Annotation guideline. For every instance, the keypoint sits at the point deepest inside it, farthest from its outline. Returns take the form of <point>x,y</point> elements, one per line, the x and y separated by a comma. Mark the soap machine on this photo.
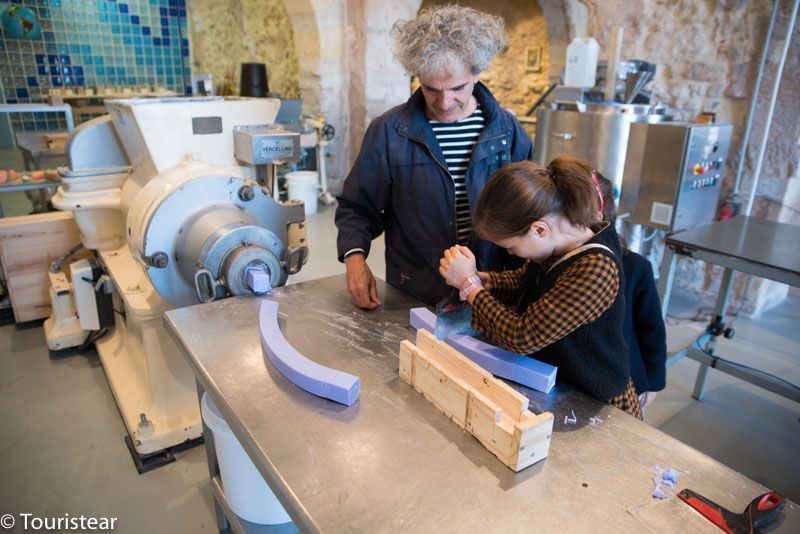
<point>176,197</point>
<point>667,173</point>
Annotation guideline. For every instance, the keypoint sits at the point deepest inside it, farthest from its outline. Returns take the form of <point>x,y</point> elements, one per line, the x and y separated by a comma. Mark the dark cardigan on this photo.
<point>644,327</point>
<point>595,356</point>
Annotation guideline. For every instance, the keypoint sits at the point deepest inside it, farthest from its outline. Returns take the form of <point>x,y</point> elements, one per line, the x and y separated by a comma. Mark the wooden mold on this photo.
<point>488,408</point>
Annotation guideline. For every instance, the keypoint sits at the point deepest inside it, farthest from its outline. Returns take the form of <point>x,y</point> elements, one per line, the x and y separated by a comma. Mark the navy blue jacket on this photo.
<point>400,185</point>
<point>643,329</point>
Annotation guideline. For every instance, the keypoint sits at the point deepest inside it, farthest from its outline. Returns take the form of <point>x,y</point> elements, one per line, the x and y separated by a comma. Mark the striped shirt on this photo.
<point>457,139</point>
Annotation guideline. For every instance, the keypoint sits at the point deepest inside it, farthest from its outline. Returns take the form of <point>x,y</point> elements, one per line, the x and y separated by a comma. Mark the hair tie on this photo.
<point>599,191</point>
<point>550,172</point>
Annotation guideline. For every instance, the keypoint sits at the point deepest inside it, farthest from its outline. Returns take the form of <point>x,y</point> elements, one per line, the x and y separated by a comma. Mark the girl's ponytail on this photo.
<point>580,200</point>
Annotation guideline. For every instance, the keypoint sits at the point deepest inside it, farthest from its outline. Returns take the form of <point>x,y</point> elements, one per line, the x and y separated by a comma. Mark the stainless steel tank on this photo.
<point>595,132</point>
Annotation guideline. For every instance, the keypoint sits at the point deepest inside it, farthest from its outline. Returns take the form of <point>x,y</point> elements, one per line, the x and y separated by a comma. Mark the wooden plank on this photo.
<point>531,441</point>
<point>28,245</point>
<point>449,394</point>
<point>512,402</point>
<point>485,423</point>
<point>439,375</point>
<point>406,365</point>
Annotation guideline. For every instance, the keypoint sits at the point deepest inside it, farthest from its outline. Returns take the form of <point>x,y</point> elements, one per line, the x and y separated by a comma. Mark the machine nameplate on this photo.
<point>661,213</point>
<point>260,145</point>
<point>277,148</point>
<point>206,125</point>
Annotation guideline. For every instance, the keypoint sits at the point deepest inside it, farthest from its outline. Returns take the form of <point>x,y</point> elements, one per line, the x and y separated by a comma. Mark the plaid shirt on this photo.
<point>581,294</point>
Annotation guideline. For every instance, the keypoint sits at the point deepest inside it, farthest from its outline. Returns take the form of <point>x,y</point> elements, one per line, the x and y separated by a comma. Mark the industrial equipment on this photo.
<point>673,174</point>
<point>667,175</point>
<point>176,198</point>
<point>315,135</point>
<point>595,132</point>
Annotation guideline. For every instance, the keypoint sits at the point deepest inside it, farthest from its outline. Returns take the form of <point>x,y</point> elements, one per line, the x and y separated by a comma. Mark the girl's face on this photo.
<point>534,245</point>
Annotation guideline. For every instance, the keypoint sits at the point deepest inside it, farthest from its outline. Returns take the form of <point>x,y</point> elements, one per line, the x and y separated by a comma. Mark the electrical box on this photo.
<point>92,298</point>
<point>261,145</point>
<point>673,174</point>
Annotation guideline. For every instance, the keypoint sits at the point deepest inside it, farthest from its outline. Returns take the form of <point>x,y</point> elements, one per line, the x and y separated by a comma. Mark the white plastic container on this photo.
<point>581,67</point>
<point>304,185</point>
<point>247,493</point>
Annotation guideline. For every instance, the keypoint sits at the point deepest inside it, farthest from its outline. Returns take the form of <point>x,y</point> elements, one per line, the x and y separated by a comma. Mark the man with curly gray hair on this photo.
<point>423,164</point>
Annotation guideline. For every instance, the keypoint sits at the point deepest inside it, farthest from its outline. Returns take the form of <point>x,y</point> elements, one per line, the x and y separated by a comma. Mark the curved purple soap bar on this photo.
<point>315,378</point>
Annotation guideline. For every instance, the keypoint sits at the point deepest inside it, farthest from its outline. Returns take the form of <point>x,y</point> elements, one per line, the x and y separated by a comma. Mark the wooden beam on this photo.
<point>447,392</point>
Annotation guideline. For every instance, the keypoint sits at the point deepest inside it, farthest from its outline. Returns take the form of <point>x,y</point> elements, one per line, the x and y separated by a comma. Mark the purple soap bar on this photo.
<point>258,281</point>
<point>311,376</point>
<point>515,367</point>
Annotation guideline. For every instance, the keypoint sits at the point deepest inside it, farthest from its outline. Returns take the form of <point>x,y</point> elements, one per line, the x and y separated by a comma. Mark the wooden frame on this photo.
<point>496,414</point>
<point>533,58</point>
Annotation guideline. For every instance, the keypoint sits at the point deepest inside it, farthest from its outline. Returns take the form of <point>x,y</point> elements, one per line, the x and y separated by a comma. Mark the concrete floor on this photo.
<point>62,450</point>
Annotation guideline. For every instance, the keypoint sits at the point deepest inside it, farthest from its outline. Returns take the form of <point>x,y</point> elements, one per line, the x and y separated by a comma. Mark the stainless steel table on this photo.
<point>393,462</point>
<point>759,247</point>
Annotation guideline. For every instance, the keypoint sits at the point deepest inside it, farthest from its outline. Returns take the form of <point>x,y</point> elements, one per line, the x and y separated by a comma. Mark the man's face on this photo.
<point>448,97</point>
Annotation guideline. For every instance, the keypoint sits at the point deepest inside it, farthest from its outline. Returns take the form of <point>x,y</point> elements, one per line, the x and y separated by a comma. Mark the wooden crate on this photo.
<point>28,245</point>
<point>56,141</point>
<point>488,408</point>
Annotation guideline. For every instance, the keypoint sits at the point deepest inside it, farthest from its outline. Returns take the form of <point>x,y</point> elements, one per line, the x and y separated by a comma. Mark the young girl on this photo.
<point>566,305</point>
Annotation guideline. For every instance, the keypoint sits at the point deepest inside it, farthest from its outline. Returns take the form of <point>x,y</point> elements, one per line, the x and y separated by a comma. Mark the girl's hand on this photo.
<point>457,265</point>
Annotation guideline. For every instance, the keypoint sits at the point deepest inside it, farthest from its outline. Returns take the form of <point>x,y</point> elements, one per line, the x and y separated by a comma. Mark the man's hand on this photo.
<point>361,283</point>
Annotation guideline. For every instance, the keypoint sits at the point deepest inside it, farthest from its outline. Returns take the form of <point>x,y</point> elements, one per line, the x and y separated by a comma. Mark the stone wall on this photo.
<point>515,85</point>
<point>708,55</point>
<point>223,34</point>
<point>331,53</point>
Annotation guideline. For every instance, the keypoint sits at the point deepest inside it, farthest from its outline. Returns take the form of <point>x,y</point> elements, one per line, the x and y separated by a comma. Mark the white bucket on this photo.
<point>247,493</point>
<point>303,185</point>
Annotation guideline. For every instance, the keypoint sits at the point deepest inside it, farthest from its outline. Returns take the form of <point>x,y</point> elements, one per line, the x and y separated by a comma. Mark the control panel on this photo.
<point>673,173</point>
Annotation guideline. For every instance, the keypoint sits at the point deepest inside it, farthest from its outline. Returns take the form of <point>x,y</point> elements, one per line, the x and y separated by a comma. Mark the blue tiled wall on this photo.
<point>88,43</point>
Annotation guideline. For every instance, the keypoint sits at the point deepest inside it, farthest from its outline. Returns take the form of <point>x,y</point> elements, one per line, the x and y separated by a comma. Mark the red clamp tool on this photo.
<point>763,510</point>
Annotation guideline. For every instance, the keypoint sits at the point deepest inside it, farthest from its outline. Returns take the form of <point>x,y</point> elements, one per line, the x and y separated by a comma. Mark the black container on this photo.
<point>254,80</point>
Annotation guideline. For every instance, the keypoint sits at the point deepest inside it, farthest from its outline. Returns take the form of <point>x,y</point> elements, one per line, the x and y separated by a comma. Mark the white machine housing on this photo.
<point>176,219</point>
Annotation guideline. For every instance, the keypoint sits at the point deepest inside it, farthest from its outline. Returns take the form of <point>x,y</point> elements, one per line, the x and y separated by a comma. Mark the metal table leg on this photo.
<point>665,278</point>
<point>700,382</point>
<point>716,329</point>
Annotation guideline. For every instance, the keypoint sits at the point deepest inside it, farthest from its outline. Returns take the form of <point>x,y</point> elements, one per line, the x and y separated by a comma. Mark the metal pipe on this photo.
<point>65,172</point>
<point>612,63</point>
<point>754,100</point>
<point>778,74</point>
<point>541,99</point>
